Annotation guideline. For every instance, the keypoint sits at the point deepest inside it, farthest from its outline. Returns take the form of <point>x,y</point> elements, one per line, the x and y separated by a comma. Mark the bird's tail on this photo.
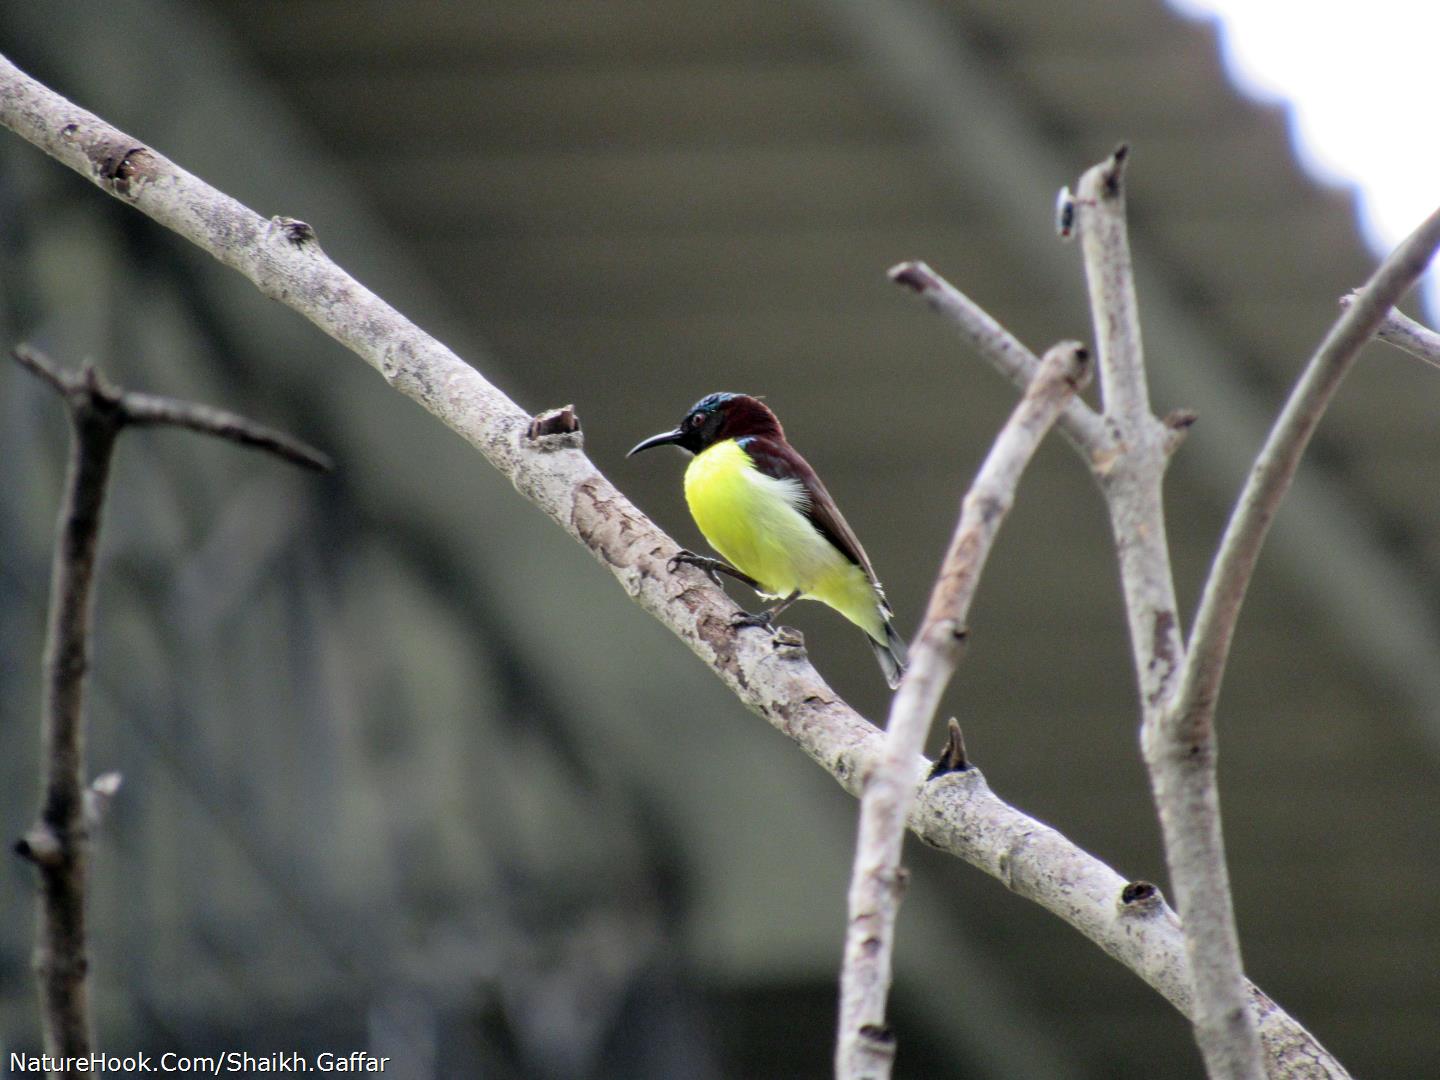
<point>890,653</point>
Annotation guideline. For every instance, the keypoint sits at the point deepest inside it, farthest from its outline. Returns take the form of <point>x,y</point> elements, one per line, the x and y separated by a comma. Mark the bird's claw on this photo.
<point>759,618</point>
<point>700,562</point>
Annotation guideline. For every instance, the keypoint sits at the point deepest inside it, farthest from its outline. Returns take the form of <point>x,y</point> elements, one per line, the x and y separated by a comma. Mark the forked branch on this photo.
<point>58,841</point>
<point>1183,780</point>
<point>1403,332</point>
<point>1274,469</point>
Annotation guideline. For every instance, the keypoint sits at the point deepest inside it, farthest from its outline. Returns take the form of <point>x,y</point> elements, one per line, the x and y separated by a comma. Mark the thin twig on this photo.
<point>144,410</point>
<point>1183,779</point>
<point>1274,469</point>
<point>1005,353</point>
<point>58,842</point>
<point>147,410</point>
<point>1111,278</point>
<point>1403,332</point>
<point>39,365</point>
<point>955,812</point>
<point>865,1046</point>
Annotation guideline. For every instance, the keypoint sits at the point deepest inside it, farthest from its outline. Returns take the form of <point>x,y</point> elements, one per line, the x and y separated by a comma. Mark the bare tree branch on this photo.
<point>955,812</point>
<point>1403,332</point>
<point>865,1047</point>
<point>1182,776</point>
<point>1002,351</point>
<point>1274,469</point>
<point>1132,482</point>
<point>1180,748</point>
<point>58,842</point>
<point>146,410</point>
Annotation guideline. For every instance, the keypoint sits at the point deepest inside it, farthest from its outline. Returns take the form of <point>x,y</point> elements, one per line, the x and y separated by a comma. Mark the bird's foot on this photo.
<point>760,618</point>
<point>711,567</point>
<point>764,618</point>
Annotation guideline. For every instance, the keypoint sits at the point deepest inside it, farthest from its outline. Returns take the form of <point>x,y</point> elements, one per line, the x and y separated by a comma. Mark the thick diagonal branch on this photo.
<point>865,1047</point>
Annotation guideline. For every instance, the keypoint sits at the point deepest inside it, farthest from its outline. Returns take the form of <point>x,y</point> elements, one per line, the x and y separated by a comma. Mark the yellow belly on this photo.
<point>756,522</point>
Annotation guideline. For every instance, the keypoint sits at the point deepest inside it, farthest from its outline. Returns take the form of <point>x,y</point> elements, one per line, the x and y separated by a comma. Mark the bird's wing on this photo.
<point>781,461</point>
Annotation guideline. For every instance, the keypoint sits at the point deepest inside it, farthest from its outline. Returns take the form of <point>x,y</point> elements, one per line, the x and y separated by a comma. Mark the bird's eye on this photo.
<point>696,419</point>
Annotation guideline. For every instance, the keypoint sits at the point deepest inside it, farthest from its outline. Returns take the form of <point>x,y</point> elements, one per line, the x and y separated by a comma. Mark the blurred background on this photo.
<point>405,771</point>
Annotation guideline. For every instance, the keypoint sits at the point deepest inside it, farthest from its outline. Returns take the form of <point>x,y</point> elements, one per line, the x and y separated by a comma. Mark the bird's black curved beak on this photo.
<point>658,440</point>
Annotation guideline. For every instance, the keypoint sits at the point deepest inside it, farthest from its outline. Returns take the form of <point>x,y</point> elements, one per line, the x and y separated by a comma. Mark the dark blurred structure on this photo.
<point>403,769</point>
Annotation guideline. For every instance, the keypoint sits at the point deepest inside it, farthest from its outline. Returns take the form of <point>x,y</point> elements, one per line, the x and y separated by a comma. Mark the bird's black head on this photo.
<point>715,418</point>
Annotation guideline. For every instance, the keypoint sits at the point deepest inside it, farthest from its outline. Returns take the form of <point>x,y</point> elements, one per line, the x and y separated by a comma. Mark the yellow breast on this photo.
<point>757,523</point>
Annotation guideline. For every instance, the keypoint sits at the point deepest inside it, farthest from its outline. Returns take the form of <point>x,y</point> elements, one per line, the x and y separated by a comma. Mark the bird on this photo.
<point>761,506</point>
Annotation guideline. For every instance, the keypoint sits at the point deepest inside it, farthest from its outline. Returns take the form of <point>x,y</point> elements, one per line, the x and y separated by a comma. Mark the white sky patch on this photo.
<point>1363,84</point>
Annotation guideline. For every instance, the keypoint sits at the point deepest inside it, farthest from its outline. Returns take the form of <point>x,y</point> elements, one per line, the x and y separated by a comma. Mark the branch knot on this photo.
<point>556,429</point>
